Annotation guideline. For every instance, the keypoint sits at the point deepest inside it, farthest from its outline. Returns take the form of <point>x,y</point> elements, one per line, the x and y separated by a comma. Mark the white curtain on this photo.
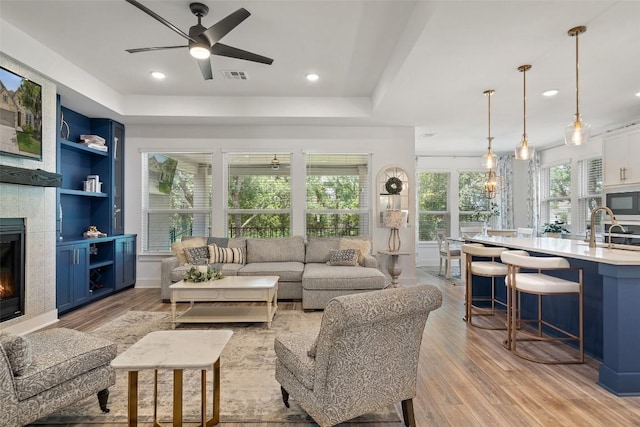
<point>533,198</point>
<point>504,170</point>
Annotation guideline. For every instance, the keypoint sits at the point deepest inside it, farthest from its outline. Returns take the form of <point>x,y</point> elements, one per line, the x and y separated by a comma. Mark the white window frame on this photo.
<point>147,211</point>
<point>365,181</point>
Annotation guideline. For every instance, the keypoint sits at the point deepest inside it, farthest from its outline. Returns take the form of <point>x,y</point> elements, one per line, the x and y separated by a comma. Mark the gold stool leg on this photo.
<point>133,398</point>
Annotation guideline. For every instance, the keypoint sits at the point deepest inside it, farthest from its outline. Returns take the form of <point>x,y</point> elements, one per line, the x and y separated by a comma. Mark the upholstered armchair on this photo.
<point>364,358</point>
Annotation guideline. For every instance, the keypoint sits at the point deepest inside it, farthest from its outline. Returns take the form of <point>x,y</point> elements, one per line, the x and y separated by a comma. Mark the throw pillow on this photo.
<point>227,255</point>
<point>220,241</point>
<point>347,257</point>
<point>197,255</point>
<point>192,242</point>
<point>18,351</point>
<point>363,245</point>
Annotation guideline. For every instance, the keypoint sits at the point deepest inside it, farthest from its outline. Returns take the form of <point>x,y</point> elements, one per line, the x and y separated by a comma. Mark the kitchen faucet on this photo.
<point>614,223</point>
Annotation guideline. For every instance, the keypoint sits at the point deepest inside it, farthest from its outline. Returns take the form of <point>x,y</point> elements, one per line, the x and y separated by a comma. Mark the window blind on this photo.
<point>433,209</point>
<point>176,198</point>
<point>259,194</point>
<point>338,194</point>
<point>589,192</point>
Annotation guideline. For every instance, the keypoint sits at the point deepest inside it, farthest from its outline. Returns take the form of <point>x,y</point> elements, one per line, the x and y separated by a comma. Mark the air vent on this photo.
<point>235,75</point>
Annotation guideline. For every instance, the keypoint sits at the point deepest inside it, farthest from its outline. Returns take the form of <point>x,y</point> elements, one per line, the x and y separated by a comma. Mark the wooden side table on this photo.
<point>177,350</point>
<point>393,267</point>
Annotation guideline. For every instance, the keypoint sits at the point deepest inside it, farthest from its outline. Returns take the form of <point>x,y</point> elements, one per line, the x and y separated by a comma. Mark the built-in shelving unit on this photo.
<point>89,268</point>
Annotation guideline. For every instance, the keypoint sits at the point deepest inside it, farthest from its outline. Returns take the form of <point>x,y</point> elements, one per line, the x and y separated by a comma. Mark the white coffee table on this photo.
<point>177,350</point>
<point>228,289</point>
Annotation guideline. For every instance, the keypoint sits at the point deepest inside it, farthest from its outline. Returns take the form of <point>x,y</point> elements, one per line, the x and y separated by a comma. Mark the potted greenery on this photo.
<point>484,213</point>
<point>554,229</point>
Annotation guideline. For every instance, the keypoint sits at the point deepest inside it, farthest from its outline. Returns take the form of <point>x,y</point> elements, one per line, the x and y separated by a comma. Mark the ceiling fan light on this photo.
<point>199,51</point>
<point>577,132</point>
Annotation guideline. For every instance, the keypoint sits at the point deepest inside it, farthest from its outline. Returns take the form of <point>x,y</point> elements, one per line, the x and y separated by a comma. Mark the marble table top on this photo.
<point>196,349</point>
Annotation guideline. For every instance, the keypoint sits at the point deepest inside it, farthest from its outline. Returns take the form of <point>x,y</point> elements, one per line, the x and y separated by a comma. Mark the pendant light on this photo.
<point>489,160</point>
<point>493,185</point>
<point>577,132</point>
<point>524,151</point>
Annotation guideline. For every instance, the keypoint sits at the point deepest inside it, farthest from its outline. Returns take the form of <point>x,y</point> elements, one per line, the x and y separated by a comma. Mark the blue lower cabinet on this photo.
<point>72,276</point>
<point>125,262</point>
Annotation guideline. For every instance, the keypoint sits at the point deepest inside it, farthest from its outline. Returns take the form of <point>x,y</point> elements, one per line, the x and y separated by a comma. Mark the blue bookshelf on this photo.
<point>91,268</point>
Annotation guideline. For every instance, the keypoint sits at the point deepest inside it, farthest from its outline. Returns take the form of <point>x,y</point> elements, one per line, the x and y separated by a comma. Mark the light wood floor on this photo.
<point>465,376</point>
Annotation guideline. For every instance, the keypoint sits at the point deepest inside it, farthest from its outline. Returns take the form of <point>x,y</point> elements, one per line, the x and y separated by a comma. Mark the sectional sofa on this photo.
<point>302,265</point>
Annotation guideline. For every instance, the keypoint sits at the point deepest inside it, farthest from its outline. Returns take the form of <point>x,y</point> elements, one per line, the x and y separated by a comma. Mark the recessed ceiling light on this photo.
<point>550,92</point>
<point>158,75</point>
<point>312,77</point>
<point>638,94</point>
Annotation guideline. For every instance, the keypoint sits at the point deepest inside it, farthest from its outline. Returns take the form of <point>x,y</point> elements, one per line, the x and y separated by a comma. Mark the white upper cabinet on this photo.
<point>622,159</point>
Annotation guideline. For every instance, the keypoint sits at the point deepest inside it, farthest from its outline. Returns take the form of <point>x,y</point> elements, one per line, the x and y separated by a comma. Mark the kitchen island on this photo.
<point>611,304</point>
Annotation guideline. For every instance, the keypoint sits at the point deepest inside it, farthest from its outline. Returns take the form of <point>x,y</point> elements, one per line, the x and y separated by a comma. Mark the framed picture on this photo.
<point>20,116</point>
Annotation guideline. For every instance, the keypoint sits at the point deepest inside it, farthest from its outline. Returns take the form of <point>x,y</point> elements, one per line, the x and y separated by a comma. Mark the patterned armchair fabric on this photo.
<point>366,355</point>
<point>63,366</point>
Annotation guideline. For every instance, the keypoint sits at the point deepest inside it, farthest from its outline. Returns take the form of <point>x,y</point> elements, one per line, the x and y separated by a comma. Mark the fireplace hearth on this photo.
<point>12,261</point>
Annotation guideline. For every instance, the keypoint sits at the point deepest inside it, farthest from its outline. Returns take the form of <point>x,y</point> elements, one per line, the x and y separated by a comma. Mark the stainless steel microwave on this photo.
<point>625,204</point>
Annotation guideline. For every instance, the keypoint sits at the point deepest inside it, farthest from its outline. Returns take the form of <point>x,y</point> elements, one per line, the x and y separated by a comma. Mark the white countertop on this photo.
<point>577,249</point>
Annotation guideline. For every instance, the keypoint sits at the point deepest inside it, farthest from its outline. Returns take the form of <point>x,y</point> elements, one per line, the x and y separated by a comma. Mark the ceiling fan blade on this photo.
<point>159,18</point>
<point>222,27</point>
<point>149,49</point>
<point>205,68</point>
<point>233,52</point>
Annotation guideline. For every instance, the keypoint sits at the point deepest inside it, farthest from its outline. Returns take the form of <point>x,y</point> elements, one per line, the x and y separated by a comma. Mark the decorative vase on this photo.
<point>556,235</point>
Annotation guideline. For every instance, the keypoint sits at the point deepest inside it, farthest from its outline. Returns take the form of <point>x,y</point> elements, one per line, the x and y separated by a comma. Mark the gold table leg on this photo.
<point>133,398</point>
<point>177,397</point>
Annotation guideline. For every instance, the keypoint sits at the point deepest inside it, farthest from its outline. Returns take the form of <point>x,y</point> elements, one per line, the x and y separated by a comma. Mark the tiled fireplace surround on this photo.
<point>37,205</point>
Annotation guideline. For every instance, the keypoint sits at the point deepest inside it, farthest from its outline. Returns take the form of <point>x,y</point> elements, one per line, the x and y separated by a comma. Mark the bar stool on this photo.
<point>487,268</point>
<point>537,283</point>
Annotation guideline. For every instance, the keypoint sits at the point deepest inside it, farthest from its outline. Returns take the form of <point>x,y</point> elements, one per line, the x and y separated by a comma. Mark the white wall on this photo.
<point>37,205</point>
<point>388,146</point>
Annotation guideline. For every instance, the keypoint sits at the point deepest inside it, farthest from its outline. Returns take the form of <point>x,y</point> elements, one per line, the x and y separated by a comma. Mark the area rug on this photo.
<point>249,391</point>
<point>434,271</point>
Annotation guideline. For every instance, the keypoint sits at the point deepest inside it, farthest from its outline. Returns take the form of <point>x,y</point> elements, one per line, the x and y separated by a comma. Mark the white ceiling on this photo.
<point>384,62</point>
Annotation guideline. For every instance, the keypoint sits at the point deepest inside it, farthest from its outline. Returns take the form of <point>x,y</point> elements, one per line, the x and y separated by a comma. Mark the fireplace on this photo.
<point>12,260</point>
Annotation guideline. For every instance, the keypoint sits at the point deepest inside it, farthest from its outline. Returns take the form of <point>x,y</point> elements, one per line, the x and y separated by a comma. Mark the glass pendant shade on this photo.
<point>489,160</point>
<point>577,132</point>
<point>524,151</point>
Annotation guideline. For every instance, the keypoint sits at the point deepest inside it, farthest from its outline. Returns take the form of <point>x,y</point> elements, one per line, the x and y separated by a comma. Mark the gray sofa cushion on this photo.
<point>60,355</point>
<point>319,248</point>
<point>288,271</point>
<point>275,250</point>
<point>323,277</point>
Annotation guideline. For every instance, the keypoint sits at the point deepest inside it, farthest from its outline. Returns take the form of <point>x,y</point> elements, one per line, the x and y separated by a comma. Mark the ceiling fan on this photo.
<point>204,42</point>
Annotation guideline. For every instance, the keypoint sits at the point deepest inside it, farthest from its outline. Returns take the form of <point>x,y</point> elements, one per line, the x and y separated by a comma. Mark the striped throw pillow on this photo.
<point>227,255</point>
